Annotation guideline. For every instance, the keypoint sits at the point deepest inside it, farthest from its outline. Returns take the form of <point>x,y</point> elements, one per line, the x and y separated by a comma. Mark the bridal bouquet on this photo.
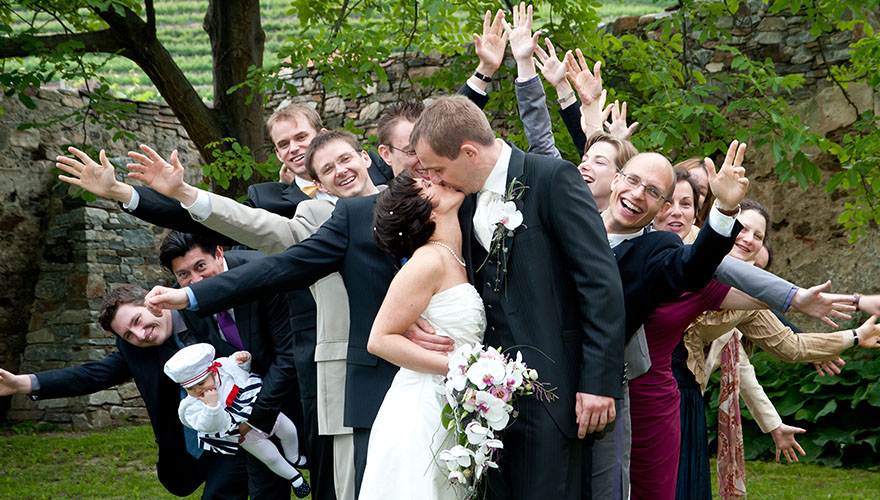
<point>480,387</point>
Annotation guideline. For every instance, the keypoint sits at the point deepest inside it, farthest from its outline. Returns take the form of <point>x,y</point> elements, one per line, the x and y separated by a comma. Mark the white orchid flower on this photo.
<point>493,410</point>
<point>506,214</point>
<point>486,371</point>
<point>476,433</point>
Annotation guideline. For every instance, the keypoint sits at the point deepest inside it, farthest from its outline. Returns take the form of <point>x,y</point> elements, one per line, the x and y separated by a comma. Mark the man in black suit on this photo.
<point>551,287</point>
<point>144,345</point>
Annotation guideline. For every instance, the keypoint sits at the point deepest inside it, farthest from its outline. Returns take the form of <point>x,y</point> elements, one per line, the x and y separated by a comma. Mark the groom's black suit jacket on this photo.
<point>561,296</point>
<point>343,244</point>
<point>657,267</point>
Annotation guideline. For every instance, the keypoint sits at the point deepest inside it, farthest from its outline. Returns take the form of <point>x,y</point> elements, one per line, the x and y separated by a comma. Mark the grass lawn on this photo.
<point>120,463</point>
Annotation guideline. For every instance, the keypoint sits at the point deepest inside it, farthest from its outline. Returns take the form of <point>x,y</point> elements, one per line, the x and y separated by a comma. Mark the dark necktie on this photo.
<point>230,331</point>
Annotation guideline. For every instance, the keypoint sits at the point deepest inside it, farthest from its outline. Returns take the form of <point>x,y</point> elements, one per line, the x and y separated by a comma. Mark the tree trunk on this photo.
<point>237,38</point>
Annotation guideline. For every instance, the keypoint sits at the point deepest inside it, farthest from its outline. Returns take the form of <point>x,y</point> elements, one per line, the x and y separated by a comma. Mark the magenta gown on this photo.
<point>655,400</point>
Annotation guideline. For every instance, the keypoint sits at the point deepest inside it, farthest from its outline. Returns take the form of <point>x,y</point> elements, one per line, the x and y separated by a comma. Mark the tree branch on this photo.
<point>151,17</point>
<point>94,41</point>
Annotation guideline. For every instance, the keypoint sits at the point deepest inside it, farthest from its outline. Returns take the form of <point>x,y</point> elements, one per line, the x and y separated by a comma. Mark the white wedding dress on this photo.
<point>407,435</point>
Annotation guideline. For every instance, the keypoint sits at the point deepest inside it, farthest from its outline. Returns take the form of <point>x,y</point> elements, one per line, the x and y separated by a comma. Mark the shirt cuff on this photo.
<point>35,386</point>
<point>201,208</point>
<point>526,83</point>
<point>193,303</point>
<point>722,224</point>
<point>475,89</point>
<point>787,303</point>
<point>132,204</point>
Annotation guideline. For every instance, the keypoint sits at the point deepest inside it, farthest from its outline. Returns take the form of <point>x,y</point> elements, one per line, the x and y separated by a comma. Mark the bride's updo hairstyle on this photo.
<point>402,217</point>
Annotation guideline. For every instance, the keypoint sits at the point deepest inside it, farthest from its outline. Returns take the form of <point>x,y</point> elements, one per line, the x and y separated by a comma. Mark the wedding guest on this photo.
<point>144,343</point>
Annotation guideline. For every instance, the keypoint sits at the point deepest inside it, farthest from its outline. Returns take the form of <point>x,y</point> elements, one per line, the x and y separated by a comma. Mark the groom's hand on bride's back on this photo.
<point>593,413</point>
<point>423,335</point>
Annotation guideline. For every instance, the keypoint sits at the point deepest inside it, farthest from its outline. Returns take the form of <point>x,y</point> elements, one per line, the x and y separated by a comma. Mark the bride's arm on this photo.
<point>407,297</point>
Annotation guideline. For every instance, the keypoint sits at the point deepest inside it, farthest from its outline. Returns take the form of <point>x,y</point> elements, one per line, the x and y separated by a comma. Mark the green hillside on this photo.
<point>179,24</point>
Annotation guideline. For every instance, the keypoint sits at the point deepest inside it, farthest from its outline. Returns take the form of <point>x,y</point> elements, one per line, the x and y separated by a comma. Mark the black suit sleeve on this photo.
<point>676,268</point>
<point>479,99</point>
<point>85,379</point>
<point>280,377</point>
<point>571,116</point>
<point>576,225</point>
<point>380,172</point>
<point>297,267</point>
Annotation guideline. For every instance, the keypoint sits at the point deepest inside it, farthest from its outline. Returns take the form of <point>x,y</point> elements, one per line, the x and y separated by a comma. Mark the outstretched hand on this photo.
<point>729,185</point>
<point>812,301</point>
<point>11,383</point>
<point>96,178</point>
<point>587,84</point>
<point>163,176</point>
<point>869,333</point>
<point>830,367</point>
<point>161,298</point>
<point>551,67</point>
<point>490,46</point>
<point>783,437</point>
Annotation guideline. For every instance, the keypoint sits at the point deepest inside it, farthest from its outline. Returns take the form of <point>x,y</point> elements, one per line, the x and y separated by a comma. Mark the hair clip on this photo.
<point>391,212</point>
<point>400,234</point>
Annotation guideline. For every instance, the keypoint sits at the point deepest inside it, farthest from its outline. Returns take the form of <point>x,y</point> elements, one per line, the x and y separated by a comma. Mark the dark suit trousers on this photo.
<point>361,443</point>
<point>523,469</point>
<point>226,476</point>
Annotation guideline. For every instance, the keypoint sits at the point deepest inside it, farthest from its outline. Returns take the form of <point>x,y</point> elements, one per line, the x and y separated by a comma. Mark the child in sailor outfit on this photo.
<point>208,383</point>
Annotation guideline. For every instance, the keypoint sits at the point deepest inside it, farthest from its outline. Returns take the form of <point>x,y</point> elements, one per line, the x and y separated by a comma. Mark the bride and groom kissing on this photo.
<point>549,286</point>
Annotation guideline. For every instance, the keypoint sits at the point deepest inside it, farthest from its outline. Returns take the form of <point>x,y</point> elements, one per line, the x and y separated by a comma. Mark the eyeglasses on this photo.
<point>651,192</point>
<point>408,152</point>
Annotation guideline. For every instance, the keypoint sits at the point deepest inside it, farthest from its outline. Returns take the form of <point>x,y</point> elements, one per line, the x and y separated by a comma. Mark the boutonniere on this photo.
<point>507,218</point>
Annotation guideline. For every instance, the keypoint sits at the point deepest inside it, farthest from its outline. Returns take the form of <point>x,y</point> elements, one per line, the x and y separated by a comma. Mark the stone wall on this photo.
<point>60,254</point>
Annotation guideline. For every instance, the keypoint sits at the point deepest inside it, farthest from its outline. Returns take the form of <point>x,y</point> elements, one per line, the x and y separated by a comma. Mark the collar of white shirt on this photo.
<point>497,180</point>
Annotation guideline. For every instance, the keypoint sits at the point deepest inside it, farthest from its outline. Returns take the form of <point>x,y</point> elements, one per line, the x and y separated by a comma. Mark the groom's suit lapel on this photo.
<point>515,171</point>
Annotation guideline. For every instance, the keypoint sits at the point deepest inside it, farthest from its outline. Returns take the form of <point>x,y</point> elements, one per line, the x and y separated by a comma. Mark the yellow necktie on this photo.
<point>310,190</point>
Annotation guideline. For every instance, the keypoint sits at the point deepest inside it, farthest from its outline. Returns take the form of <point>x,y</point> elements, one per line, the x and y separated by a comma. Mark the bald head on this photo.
<point>656,163</point>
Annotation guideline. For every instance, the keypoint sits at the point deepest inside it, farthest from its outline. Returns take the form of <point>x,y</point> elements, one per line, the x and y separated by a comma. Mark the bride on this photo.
<point>417,220</point>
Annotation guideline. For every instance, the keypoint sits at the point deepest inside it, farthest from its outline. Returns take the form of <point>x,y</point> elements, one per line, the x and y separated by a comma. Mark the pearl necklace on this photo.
<point>454,255</point>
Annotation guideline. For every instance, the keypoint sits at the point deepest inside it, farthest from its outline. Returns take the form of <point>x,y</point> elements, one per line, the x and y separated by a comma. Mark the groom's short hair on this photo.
<point>449,122</point>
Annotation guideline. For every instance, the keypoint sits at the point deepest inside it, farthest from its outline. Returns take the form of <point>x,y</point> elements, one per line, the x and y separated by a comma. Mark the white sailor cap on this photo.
<point>191,365</point>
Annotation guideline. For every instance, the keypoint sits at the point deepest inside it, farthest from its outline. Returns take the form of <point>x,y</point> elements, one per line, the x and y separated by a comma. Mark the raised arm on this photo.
<point>97,178</point>
<point>530,96</point>
<point>554,70</point>
<point>490,47</point>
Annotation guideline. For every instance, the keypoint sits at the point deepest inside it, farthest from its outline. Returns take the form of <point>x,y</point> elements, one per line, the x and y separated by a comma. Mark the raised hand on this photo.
<point>729,185</point>
<point>164,177</point>
<point>551,67</point>
<point>617,126</point>
<point>814,302</point>
<point>161,298</point>
<point>490,46</point>
<point>588,85</point>
<point>783,437</point>
<point>522,41</point>
<point>97,178</point>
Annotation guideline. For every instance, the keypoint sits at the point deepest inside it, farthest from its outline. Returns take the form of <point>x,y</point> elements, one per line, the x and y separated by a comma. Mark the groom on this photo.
<point>550,286</point>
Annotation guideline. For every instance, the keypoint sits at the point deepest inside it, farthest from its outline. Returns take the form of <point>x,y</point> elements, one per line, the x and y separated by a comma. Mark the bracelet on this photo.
<point>855,338</point>
<point>856,298</point>
<point>729,213</point>
<point>565,97</point>
<point>487,79</point>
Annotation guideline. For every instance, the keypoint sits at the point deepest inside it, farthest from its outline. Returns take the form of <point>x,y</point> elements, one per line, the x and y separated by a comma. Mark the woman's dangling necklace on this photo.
<point>454,255</point>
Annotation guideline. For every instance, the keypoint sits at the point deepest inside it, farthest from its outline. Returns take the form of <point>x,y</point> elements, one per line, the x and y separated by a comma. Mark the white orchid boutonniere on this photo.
<point>507,218</point>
